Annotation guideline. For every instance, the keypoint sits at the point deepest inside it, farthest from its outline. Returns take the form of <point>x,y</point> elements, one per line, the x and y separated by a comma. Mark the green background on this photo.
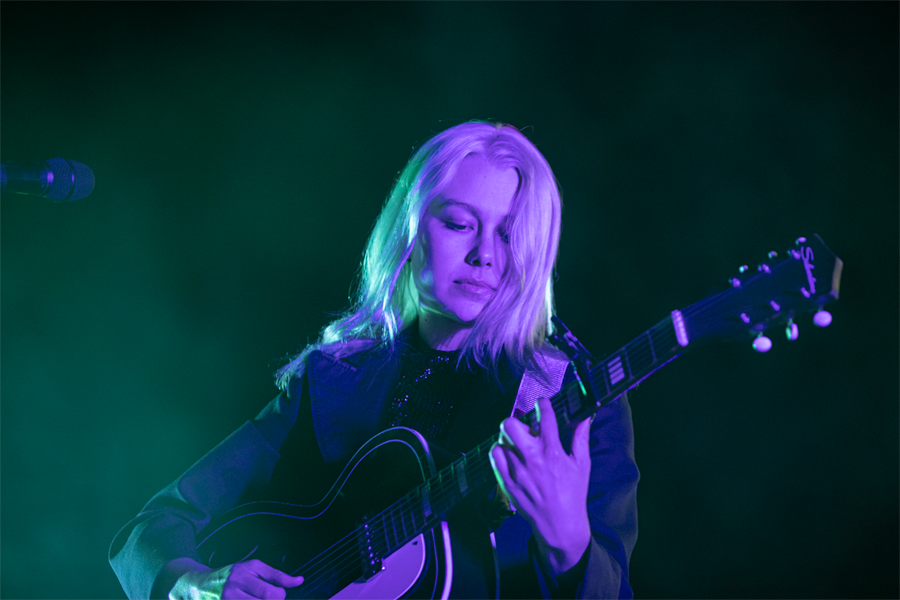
<point>242,152</point>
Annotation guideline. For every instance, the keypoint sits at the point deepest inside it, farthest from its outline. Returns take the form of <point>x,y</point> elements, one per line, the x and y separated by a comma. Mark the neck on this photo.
<point>442,333</point>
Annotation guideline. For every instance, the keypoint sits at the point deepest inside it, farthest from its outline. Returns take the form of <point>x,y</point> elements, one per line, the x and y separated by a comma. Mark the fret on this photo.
<point>650,344</point>
<point>452,495</point>
<point>478,461</point>
<point>413,509</point>
<point>479,467</point>
<point>426,501</point>
<point>641,356</point>
<point>387,542</point>
<point>667,335</point>
<point>394,528</point>
<point>403,525</point>
<point>573,401</point>
<point>626,358</point>
<point>443,490</point>
<point>460,469</point>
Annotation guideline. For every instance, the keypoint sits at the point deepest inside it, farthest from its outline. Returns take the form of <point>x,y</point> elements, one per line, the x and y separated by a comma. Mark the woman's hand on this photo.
<point>548,485</point>
<point>251,579</point>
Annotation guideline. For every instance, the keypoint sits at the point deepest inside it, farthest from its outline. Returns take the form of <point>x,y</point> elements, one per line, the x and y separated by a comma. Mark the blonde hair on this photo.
<point>517,319</point>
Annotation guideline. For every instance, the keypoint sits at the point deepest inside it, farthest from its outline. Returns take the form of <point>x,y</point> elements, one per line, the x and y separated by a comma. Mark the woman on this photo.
<point>451,314</point>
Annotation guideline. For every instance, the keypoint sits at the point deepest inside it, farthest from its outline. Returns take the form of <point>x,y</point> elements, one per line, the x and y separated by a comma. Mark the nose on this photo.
<point>482,254</point>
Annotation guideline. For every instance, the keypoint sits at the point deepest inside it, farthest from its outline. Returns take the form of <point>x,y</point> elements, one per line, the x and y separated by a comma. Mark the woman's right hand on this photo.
<point>251,579</point>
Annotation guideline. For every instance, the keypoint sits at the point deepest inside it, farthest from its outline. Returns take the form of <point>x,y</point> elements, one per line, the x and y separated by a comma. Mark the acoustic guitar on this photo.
<point>380,531</point>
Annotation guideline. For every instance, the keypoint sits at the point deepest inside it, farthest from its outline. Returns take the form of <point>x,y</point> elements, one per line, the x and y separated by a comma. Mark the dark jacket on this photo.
<point>323,417</point>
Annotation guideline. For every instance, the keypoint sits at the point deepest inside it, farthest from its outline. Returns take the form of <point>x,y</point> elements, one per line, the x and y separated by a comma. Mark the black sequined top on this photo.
<point>430,389</point>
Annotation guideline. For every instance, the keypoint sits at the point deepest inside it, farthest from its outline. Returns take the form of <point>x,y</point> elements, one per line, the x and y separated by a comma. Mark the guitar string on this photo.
<point>444,490</point>
<point>641,356</point>
<point>344,546</point>
<point>349,557</point>
<point>347,563</point>
<point>336,560</point>
<point>348,549</point>
<point>348,560</point>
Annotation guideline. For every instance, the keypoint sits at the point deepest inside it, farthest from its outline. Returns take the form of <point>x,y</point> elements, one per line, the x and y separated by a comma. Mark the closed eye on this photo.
<point>455,226</point>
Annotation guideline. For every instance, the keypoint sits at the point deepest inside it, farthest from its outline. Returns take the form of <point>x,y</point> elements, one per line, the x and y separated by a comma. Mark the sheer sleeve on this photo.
<point>145,552</point>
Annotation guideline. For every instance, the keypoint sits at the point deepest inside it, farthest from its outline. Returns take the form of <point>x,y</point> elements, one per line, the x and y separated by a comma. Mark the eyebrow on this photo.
<point>468,207</point>
<point>504,222</point>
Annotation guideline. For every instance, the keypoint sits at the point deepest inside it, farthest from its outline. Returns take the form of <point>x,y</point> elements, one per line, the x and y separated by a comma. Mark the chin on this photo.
<point>466,313</point>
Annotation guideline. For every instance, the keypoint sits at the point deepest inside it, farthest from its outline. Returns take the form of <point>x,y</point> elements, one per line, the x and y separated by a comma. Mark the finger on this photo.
<point>274,576</point>
<point>549,431</point>
<point>500,467</point>
<point>581,443</point>
<point>266,591</point>
<point>510,472</point>
<point>233,592</point>
<point>284,580</point>
<point>515,434</point>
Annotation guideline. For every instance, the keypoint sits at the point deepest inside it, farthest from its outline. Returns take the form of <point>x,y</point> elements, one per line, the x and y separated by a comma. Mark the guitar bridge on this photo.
<point>370,559</point>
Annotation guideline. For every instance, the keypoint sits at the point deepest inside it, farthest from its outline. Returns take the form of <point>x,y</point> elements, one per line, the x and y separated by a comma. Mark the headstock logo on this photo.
<point>808,257</point>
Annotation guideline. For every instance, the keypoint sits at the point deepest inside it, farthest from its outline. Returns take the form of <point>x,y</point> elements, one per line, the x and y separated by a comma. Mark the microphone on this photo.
<point>59,179</point>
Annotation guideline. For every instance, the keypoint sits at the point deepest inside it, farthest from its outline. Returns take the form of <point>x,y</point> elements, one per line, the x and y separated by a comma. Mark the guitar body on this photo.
<point>329,543</point>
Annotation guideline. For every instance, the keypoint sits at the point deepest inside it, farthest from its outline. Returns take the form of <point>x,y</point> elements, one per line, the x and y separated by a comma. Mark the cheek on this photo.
<point>503,258</point>
<point>421,271</point>
<point>435,250</point>
<point>426,262</point>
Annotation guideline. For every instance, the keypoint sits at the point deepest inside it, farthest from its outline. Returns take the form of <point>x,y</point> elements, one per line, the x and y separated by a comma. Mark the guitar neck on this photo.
<point>424,507</point>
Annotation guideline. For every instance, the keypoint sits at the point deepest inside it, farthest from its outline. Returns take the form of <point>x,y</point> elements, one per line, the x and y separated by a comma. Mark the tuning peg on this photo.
<point>772,255</point>
<point>791,331</point>
<point>800,240</point>
<point>735,282</point>
<point>742,269</point>
<point>762,344</point>
<point>763,268</point>
<point>822,318</point>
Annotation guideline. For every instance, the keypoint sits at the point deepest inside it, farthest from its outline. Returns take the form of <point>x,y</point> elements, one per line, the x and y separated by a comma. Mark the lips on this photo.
<point>475,285</point>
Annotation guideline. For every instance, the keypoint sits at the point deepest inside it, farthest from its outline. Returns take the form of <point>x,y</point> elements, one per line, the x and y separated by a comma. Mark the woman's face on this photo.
<point>461,249</point>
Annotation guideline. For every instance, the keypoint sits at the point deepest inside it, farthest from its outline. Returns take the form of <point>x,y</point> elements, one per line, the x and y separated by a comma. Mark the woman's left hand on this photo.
<point>547,484</point>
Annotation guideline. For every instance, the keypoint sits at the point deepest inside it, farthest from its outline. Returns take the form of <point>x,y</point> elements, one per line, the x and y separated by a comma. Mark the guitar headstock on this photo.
<point>769,296</point>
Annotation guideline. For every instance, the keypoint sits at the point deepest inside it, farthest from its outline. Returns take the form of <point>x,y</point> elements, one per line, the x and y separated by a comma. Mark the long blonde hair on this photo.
<point>517,319</point>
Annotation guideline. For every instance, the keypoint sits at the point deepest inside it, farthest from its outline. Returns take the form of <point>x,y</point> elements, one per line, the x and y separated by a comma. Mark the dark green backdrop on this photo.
<point>242,152</point>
